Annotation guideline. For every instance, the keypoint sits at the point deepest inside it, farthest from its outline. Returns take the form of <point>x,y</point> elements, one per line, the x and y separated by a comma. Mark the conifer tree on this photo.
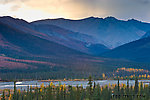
<point>49,93</point>
<point>90,86</point>
<point>127,92</point>
<point>78,93</point>
<point>3,95</point>
<point>96,92</point>
<point>15,91</point>
<point>57,94</point>
<point>136,85</point>
<point>118,86</point>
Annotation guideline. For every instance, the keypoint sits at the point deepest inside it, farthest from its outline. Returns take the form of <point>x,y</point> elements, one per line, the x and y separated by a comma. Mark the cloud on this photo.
<point>143,1</point>
<point>15,7</point>
<point>12,5</point>
<point>75,9</point>
<point>124,9</point>
<point>11,1</point>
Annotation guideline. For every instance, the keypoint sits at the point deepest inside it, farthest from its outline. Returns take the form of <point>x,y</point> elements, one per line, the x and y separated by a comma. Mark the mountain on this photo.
<point>74,40</point>
<point>137,51</point>
<point>25,43</point>
<point>22,52</point>
<point>40,50</point>
<point>108,31</point>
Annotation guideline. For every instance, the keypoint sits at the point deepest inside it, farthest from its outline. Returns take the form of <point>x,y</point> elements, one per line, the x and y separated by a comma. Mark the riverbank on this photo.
<point>52,80</point>
<point>58,80</point>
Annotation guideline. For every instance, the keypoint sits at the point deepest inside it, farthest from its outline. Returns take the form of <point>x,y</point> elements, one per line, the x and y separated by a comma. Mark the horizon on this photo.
<point>75,19</point>
<point>30,10</point>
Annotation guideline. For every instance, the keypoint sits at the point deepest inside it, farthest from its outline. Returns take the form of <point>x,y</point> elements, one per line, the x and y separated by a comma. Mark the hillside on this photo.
<point>22,52</point>
<point>137,51</point>
<point>109,31</point>
<point>74,40</point>
<point>77,41</point>
<point>43,50</point>
<point>32,44</point>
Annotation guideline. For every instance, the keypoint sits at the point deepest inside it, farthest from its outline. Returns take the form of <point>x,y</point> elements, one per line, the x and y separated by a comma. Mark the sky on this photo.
<point>31,10</point>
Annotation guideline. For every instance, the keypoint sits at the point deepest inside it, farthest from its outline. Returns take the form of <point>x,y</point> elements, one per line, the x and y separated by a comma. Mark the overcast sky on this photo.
<point>76,9</point>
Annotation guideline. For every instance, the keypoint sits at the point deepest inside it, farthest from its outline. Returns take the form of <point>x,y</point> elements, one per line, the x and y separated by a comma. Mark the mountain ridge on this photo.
<point>51,49</point>
<point>77,41</point>
<point>108,31</point>
<point>137,50</point>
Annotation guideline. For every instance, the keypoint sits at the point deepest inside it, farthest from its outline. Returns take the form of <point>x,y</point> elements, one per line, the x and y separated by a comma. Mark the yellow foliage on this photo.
<point>51,84</point>
<point>131,76</point>
<point>103,75</point>
<point>121,85</point>
<point>131,70</point>
<point>124,86</point>
<point>144,75</point>
<point>109,85</point>
<point>133,86</point>
<point>142,84</point>
<point>61,87</point>
<point>19,91</point>
<point>42,85</point>
<point>146,85</point>
<point>139,86</point>
<point>101,89</point>
<point>105,86</point>
<point>148,76</point>
<point>41,90</point>
<point>64,86</point>
<point>113,85</point>
<point>10,97</point>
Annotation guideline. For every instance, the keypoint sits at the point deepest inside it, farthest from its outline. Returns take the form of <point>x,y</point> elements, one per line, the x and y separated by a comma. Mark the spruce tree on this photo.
<point>118,86</point>
<point>127,92</point>
<point>15,91</point>
<point>136,86</point>
<point>90,88</point>
<point>3,95</point>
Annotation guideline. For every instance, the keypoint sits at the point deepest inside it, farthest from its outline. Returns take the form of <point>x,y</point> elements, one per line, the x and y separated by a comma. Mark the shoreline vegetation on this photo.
<point>93,91</point>
<point>59,80</point>
<point>121,73</point>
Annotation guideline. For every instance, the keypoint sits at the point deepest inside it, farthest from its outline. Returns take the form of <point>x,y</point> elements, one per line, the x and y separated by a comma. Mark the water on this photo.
<point>23,84</point>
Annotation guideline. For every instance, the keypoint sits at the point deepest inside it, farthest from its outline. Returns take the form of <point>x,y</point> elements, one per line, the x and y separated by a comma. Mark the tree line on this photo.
<point>93,91</point>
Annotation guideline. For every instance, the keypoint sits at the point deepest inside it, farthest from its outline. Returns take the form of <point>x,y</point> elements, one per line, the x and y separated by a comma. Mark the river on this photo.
<point>23,84</point>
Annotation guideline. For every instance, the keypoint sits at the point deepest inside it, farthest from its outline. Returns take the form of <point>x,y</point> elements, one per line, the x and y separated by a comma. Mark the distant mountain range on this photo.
<point>74,40</point>
<point>23,45</point>
<point>86,45</point>
<point>109,31</point>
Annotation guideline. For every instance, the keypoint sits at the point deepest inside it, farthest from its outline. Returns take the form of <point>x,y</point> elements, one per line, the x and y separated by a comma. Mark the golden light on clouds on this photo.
<point>33,10</point>
<point>75,9</point>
